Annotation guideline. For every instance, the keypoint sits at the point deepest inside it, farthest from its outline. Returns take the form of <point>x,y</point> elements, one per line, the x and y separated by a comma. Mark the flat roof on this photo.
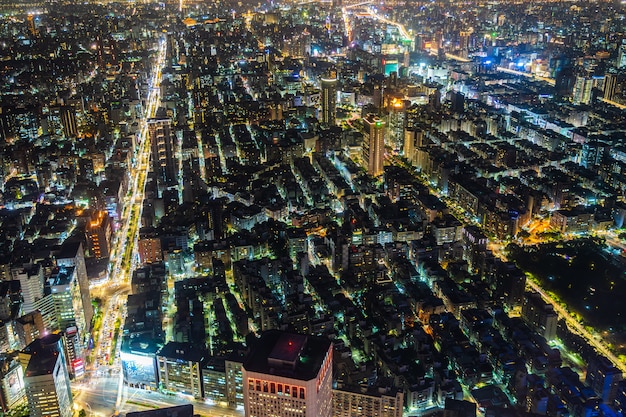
<point>43,355</point>
<point>287,347</point>
<point>286,354</point>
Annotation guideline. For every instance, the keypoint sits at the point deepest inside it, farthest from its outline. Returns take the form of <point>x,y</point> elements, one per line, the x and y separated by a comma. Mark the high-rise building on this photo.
<point>464,41</point>
<point>233,370</point>
<point>583,88</point>
<point>610,86</point>
<point>46,378</point>
<point>32,26</point>
<point>99,233</point>
<point>30,277</point>
<point>373,145</point>
<point>68,301</point>
<point>68,121</point>
<point>329,100</point>
<point>413,140</point>
<point>163,151</point>
<point>621,55</point>
<point>287,375</point>
<point>72,254</point>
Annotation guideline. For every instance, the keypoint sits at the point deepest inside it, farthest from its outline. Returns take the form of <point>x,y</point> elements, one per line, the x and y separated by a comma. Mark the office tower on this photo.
<point>68,121</point>
<point>32,27</point>
<point>288,374</point>
<point>373,144</point>
<point>98,232</point>
<point>395,124</point>
<point>30,277</point>
<point>72,254</point>
<point>68,301</point>
<point>610,86</point>
<point>621,55</point>
<point>163,152</point>
<point>464,40</point>
<point>46,378</point>
<point>329,100</point>
<point>583,87</point>
<point>413,140</point>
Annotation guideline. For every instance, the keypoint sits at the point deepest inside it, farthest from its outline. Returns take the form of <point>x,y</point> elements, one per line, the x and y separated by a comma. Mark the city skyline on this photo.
<point>338,208</point>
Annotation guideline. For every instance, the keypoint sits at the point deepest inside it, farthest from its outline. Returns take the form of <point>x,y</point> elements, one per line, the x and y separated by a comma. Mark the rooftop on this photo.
<point>288,355</point>
<point>44,352</point>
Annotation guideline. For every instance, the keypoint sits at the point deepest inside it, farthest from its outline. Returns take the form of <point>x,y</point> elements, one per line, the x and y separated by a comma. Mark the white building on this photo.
<point>31,281</point>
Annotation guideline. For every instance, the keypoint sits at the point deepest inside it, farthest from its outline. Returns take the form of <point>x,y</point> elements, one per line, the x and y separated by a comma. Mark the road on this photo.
<point>102,387</point>
<point>575,326</point>
<point>550,81</point>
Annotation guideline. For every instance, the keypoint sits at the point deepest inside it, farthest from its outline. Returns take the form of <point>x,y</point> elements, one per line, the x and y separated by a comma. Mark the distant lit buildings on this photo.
<point>373,145</point>
<point>329,101</point>
<point>288,374</point>
<point>583,87</point>
<point>162,140</point>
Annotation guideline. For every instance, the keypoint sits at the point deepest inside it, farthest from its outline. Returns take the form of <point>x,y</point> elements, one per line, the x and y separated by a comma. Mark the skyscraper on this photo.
<point>288,374</point>
<point>163,152</point>
<point>68,121</point>
<point>68,302</point>
<point>46,378</point>
<point>373,144</point>
<point>329,100</point>
<point>72,254</point>
<point>98,232</point>
<point>30,277</point>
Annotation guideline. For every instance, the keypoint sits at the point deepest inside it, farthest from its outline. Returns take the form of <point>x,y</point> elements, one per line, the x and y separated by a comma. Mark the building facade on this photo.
<point>46,378</point>
<point>329,100</point>
<point>373,145</point>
